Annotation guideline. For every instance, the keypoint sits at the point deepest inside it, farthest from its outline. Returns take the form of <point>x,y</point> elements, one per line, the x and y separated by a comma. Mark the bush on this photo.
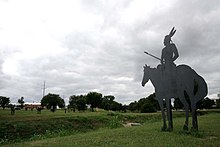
<point>148,107</point>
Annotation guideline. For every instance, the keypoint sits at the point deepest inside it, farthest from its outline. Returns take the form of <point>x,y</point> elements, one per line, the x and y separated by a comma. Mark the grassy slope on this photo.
<point>147,135</point>
<point>28,125</point>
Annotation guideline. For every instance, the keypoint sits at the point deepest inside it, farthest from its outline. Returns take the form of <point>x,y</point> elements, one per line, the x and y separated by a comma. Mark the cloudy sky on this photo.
<point>78,46</point>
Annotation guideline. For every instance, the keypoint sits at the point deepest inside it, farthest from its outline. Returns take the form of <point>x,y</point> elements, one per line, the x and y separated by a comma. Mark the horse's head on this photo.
<point>146,76</point>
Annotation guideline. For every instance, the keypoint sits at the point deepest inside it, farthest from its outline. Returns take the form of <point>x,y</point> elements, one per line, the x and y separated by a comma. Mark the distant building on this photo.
<point>14,104</point>
<point>215,101</point>
<point>32,105</point>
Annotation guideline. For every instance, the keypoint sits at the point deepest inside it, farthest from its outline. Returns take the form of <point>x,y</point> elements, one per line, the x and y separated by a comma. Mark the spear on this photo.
<point>152,55</point>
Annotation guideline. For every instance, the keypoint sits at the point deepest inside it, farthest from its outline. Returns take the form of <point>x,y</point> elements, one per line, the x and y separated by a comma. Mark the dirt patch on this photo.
<point>131,124</point>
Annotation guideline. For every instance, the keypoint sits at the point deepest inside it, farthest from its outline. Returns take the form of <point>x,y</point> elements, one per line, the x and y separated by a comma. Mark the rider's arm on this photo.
<point>162,58</point>
<point>175,51</point>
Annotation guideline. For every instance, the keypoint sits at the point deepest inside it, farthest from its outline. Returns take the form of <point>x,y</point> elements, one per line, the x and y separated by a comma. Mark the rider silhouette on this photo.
<point>168,56</point>
<point>169,52</point>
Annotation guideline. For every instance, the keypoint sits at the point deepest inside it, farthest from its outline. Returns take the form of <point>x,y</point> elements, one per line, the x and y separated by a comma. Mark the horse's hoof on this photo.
<point>163,128</point>
<point>193,129</point>
<point>185,127</point>
<point>170,129</point>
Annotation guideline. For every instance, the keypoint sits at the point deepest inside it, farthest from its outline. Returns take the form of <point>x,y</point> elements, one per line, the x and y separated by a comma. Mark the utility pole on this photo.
<point>44,89</point>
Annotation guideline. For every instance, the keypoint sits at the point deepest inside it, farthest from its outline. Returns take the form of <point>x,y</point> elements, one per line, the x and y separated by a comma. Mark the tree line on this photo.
<point>94,100</point>
<point>81,102</point>
<point>5,102</point>
<point>149,104</point>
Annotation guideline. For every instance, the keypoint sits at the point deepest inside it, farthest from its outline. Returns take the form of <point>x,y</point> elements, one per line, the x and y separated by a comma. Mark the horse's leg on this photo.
<point>194,118</point>
<point>196,121</point>
<point>160,101</point>
<point>169,114</point>
<point>186,107</point>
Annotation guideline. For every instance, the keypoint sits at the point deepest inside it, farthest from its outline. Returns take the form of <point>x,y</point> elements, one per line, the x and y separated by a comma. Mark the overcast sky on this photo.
<point>78,46</point>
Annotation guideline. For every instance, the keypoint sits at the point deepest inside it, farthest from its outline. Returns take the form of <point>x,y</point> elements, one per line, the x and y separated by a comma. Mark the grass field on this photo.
<point>148,134</point>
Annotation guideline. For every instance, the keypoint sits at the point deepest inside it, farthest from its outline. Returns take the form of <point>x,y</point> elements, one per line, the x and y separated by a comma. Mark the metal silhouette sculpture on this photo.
<point>171,81</point>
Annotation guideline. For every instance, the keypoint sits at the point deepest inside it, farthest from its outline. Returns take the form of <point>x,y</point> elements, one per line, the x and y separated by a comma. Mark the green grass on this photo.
<point>147,135</point>
<point>28,125</point>
<point>21,115</point>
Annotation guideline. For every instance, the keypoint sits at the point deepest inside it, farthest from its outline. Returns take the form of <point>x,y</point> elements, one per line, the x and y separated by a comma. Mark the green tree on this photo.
<point>133,106</point>
<point>81,103</point>
<point>152,100</point>
<point>94,99</point>
<point>61,103</point>
<point>21,102</point>
<point>115,106</point>
<point>107,102</point>
<point>147,107</point>
<point>72,102</point>
<point>77,102</point>
<point>206,103</point>
<point>4,101</point>
<point>124,108</point>
<point>148,104</point>
<point>51,101</point>
<point>218,103</point>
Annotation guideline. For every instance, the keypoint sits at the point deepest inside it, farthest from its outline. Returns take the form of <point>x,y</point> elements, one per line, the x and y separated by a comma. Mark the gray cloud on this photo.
<point>109,58</point>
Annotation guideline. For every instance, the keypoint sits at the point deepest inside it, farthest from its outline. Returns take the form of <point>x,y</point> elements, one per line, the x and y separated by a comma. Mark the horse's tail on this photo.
<point>195,85</point>
<point>200,88</point>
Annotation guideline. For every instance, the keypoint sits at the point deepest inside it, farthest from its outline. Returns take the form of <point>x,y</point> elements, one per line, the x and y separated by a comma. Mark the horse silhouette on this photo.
<point>188,84</point>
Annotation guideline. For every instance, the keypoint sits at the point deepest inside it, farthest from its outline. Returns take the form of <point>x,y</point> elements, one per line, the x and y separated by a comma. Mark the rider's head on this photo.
<point>166,40</point>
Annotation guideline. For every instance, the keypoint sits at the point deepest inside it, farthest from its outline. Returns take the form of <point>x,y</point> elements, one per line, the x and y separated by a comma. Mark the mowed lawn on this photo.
<point>21,115</point>
<point>148,134</point>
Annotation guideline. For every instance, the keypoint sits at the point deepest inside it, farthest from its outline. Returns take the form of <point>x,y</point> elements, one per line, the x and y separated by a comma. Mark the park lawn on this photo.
<point>22,115</point>
<point>147,135</point>
<point>28,125</point>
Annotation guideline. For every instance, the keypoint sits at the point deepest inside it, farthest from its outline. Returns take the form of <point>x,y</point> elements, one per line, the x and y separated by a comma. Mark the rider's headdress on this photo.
<point>172,32</point>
